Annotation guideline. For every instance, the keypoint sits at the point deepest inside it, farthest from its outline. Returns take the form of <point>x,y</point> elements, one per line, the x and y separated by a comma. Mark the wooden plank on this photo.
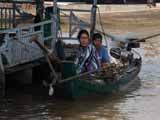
<point>9,70</point>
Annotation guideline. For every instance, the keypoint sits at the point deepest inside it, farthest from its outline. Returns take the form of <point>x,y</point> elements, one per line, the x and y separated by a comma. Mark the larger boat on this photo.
<point>43,41</point>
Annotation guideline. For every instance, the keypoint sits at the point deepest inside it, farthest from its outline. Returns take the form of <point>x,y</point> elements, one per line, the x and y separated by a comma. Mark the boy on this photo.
<point>103,56</point>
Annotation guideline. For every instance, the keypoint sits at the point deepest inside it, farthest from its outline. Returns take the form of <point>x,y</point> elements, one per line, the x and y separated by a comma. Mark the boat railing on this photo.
<point>16,46</point>
<point>74,21</point>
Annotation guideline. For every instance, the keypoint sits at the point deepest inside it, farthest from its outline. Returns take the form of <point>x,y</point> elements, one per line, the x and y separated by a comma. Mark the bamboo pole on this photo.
<point>78,76</point>
<point>50,58</point>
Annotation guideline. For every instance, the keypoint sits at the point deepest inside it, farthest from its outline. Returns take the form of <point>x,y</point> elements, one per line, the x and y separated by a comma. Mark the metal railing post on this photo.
<point>14,15</point>
<point>93,17</point>
<point>55,24</point>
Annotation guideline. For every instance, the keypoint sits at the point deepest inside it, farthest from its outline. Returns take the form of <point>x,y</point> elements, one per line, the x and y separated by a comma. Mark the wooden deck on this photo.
<point>18,53</point>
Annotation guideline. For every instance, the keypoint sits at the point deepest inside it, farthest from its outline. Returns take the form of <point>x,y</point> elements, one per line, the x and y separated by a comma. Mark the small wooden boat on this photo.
<point>97,83</point>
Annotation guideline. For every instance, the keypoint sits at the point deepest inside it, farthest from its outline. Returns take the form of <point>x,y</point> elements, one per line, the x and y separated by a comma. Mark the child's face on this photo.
<point>97,43</point>
<point>84,40</point>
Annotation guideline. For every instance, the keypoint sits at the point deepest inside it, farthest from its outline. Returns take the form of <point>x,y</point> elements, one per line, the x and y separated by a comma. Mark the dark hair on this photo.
<point>97,36</point>
<point>82,32</point>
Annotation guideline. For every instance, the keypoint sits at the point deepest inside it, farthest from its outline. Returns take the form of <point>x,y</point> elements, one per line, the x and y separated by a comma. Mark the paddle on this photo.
<point>77,76</point>
<point>148,37</point>
<point>50,58</point>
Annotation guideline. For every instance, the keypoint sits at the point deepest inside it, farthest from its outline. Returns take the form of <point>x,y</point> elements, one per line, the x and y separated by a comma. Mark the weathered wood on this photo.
<point>17,47</point>
<point>10,70</point>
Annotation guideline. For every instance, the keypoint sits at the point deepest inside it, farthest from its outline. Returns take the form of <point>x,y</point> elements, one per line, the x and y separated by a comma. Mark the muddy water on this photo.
<point>140,103</point>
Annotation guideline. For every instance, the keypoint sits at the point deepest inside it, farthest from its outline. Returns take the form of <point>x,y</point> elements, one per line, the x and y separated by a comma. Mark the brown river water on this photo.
<point>141,102</point>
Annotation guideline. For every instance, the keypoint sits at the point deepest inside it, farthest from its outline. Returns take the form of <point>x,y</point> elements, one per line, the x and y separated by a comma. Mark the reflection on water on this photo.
<point>142,103</point>
<point>93,108</point>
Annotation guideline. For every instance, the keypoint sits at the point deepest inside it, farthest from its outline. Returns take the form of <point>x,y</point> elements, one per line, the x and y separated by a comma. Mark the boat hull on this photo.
<point>80,87</point>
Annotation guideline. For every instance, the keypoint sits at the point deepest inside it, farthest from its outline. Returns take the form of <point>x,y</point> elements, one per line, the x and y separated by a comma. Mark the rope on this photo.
<point>103,31</point>
<point>105,37</point>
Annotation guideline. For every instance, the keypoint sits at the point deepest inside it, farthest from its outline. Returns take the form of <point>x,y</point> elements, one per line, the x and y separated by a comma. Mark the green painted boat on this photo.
<point>80,87</point>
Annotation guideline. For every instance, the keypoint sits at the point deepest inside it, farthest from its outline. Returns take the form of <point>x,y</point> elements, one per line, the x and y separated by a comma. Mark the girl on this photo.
<point>86,59</point>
